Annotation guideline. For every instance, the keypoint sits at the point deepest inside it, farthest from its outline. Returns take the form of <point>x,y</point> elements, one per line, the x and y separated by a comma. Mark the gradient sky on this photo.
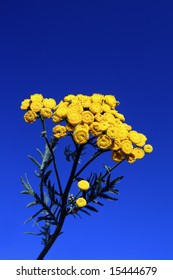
<point>123,48</point>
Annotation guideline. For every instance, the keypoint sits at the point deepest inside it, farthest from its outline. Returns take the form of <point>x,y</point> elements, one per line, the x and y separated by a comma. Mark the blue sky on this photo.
<point>118,47</point>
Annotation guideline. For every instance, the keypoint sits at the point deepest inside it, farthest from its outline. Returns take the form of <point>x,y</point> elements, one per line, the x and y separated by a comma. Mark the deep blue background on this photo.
<point>120,47</point>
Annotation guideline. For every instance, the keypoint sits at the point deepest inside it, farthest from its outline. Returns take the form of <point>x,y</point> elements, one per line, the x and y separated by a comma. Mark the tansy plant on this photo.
<point>86,121</point>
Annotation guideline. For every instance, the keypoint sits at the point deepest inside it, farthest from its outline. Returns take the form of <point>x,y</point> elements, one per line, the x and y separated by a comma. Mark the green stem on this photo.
<point>45,207</point>
<point>54,164</point>
<point>54,236</point>
<point>111,169</point>
<point>97,154</point>
<point>52,154</point>
<point>62,212</point>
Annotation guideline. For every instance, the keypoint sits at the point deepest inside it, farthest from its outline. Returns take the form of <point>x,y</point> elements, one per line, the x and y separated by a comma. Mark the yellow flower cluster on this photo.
<point>86,116</point>
<point>37,105</point>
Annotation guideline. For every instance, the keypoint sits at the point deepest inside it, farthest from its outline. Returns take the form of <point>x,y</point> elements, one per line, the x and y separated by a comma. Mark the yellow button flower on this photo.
<point>81,202</point>
<point>87,117</point>
<point>25,105</point>
<point>110,100</point>
<point>120,116</point>
<point>148,148</point>
<point>83,185</point>
<point>134,136</point>
<point>36,106</point>
<point>94,129</point>
<point>122,133</point>
<point>30,116</point>
<point>117,156</point>
<point>116,144</point>
<point>103,125</point>
<point>126,147</point>
<point>118,122</point>
<point>46,112</point>
<point>59,131</point>
<point>82,126</point>
<point>49,103</point>
<point>106,108</point>
<point>75,106</point>
<point>95,107</point>
<point>104,141</point>
<point>109,117</point>
<point>97,97</point>
<point>36,97</point>
<point>131,158</point>
<point>138,152</point>
<point>61,112</point>
<point>142,141</point>
<point>56,118</point>
<point>85,101</point>
<point>69,127</point>
<point>112,131</point>
<point>81,136</point>
<point>74,118</point>
<point>69,97</point>
<point>98,117</point>
<point>126,126</point>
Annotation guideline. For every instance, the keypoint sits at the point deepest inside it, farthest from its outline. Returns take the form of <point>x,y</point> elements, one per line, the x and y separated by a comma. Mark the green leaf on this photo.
<point>28,220</point>
<point>24,184</point>
<point>105,196</point>
<point>86,212</point>
<point>108,168</point>
<point>41,154</point>
<point>32,203</point>
<point>115,181</point>
<point>25,192</point>
<point>27,185</point>
<point>114,191</point>
<point>91,208</point>
<point>32,217</point>
<point>35,161</point>
<point>98,202</point>
<point>33,233</point>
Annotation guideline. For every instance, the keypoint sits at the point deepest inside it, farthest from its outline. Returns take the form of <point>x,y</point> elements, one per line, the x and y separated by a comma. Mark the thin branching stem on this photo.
<point>62,212</point>
<point>111,169</point>
<point>54,164</point>
<point>97,154</point>
<point>52,154</point>
<point>45,207</point>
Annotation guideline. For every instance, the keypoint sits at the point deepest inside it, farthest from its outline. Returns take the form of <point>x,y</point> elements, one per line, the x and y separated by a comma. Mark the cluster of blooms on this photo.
<point>90,116</point>
<point>37,106</point>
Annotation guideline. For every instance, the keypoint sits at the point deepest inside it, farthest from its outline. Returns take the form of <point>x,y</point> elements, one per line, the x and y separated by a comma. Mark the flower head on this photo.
<point>110,100</point>
<point>36,97</point>
<point>87,117</point>
<point>83,185</point>
<point>46,112</point>
<point>74,118</point>
<point>36,106</point>
<point>59,131</point>
<point>25,105</point>
<point>104,141</point>
<point>148,148</point>
<point>49,103</point>
<point>126,147</point>
<point>138,152</point>
<point>81,136</point>
<point>81,202</point>
<point>30,116</point>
